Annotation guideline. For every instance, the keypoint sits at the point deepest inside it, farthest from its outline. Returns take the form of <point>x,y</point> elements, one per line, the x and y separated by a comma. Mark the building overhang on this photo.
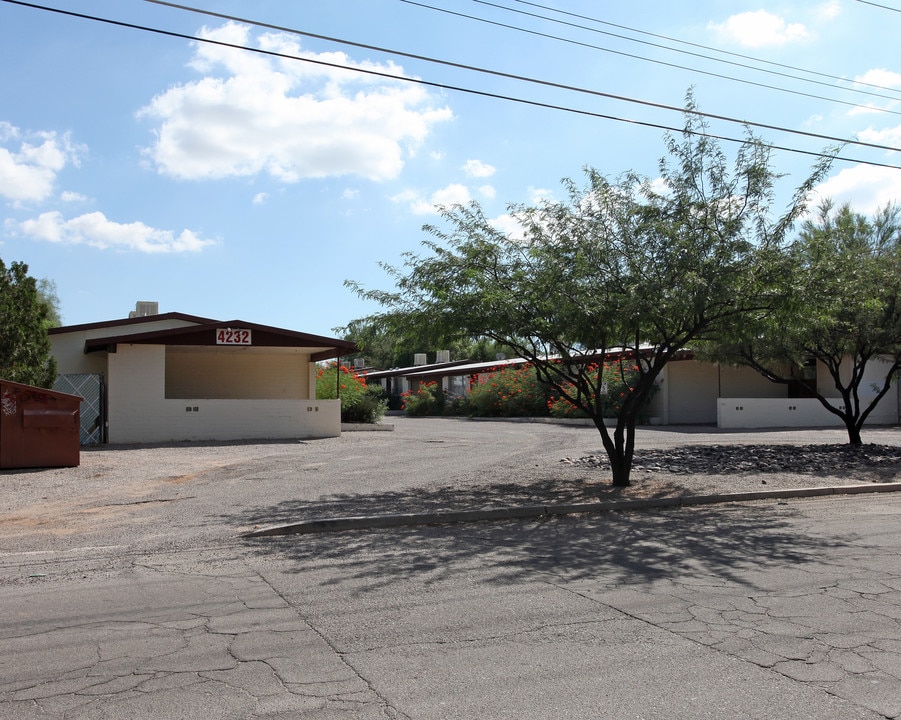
<point>228,334</point>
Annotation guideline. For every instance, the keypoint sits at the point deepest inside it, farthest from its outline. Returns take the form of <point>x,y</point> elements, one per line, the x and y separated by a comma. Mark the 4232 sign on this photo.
<point>233,336</point>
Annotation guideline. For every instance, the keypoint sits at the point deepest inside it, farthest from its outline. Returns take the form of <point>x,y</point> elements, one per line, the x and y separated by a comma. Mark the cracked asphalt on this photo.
<point>126,590</point>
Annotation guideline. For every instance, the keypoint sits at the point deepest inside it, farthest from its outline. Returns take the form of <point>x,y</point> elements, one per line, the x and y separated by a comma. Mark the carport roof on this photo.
<point>205,333</point>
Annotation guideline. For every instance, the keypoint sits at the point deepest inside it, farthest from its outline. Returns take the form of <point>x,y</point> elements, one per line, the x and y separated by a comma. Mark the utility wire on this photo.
<point>884,7</point>
<point>471,91</point>
<point>633,56</point>
<point>545,83</point>
<point>684,52</point>
<point>703,47</point>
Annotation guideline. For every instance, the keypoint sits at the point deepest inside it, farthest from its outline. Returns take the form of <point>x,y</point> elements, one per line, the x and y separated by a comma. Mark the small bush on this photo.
<point>618,381</point>
<point>509,392</point>
<point>427,400</point>
<point>359,403</point>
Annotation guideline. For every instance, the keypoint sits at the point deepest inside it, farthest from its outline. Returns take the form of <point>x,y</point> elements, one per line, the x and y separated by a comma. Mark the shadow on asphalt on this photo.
<point>616,548</point>
<point>553,491</point>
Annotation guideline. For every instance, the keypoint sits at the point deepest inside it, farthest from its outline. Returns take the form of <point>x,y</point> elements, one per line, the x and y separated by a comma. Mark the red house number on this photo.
<point>227,336</point>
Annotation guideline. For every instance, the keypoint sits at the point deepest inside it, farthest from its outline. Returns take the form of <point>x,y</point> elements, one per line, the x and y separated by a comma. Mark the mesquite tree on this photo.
<point>839,307</point>
<point>628,271</point>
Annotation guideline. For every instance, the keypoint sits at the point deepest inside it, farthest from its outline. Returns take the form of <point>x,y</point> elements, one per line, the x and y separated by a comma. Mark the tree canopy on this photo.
<point>628,271</point>
<point>839,307</point>
<point>24,319</point>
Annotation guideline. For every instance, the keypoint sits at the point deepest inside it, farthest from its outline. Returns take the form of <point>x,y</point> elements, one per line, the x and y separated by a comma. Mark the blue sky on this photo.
<point>136,165</point>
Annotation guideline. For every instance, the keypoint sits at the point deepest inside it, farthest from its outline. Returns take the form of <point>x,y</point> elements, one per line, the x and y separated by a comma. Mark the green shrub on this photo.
<point>427,400</point>
<point>359,403</point>
<point>618,380</point>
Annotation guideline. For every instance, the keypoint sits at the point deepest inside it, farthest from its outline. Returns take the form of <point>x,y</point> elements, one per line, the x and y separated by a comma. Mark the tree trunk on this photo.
<point>854,437</point>
<point>620,449</point>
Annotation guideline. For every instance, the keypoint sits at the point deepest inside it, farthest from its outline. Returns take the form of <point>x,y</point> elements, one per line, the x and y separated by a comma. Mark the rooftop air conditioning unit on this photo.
<point>420,359</point>
<point>443,356</point>
<point>359,363</point>
<point>143,308</point>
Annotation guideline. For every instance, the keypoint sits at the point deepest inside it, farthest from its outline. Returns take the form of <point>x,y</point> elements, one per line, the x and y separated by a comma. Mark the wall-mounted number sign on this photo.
<point>232,336</point>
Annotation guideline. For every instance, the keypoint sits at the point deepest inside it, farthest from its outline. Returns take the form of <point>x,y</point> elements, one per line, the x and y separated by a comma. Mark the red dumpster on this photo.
<point>38,427</point>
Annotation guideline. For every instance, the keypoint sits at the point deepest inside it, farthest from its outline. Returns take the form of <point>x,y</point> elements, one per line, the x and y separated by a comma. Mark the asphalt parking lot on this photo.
<point>126,589</point>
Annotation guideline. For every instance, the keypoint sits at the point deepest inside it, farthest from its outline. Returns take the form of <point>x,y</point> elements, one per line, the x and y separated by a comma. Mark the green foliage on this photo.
<point>839,303</point>
<point>386,346</point>
<point>47,293</point>
<point>25,350</point>
<point>627,269</point>
<point>427,399</point>
<point>359,403</point>
<point>617,381</point>
<point>509,392</point>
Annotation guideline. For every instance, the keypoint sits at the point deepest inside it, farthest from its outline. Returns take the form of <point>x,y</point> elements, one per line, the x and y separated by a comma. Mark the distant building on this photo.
<point>690,392</point>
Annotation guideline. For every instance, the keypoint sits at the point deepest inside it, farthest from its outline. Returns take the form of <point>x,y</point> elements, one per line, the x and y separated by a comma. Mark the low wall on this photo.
<point>788,412</point>
<point>186,419</point>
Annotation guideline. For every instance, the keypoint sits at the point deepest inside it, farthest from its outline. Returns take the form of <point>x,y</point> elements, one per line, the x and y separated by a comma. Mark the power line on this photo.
<point>687,52</point>
<point>522,78</point>
<point>884,7</point>
<point>633,56</point>
<point>471,91</point>
<point>731,53</point>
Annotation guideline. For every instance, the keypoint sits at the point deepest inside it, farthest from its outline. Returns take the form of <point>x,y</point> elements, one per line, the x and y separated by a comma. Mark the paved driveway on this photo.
<point>127,592</point>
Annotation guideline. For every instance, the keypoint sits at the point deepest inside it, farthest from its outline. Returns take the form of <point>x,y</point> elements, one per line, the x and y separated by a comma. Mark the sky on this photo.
<point>146,155</point>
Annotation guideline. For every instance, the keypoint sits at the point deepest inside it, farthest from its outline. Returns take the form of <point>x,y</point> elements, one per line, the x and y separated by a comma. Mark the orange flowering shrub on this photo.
<point>509,392</point>
<point>617,381</point>
<point>427,400</point>
<point>359,402</point>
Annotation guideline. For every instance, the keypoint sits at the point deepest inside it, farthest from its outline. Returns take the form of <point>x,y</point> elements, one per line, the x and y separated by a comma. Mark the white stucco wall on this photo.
<point>795,412</point>
<point>737,410</point>
<point>237,373</point>
<point>688,392</point>
<point>139,412</point>
<point>68,347</point>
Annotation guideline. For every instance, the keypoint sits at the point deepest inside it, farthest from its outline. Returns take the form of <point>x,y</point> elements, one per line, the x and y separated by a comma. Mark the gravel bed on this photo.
<point>718,459</point>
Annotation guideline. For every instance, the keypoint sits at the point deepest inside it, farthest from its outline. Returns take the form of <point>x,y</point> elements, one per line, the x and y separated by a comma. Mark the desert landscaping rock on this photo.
<point>742,459</point>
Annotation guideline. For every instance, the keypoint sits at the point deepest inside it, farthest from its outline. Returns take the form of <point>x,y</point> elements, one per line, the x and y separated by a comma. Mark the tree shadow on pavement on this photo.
<point>726,542</point>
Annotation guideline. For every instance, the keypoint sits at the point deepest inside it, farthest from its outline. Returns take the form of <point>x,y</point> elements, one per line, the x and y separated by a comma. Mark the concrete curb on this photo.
<point>367,427</point>
<point>322,525</point>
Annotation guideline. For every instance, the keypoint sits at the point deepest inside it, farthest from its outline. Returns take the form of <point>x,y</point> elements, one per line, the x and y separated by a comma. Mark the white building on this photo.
<point>170,377</point>
<point>691,392</point>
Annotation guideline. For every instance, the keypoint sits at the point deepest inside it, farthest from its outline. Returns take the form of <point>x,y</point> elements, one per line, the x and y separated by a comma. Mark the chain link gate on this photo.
<point>91,388</point>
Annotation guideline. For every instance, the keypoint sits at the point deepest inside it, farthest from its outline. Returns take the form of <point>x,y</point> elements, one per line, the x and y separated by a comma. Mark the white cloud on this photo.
<point>29,170</point>
<point>488,192</point>
<point>829,10</point>
<point>865,187</point>
<point>291,119</point>
<point>759,29</point>
<point>453,194</point>
<point>95,230</point>
<point>879,77</point>
<point>350,194</point>
<point>476,168</point>
<point>888,136</point>
<point>69,196</point>
<point>260,198</point>
<point>540,195</point>
<point>509,225</point>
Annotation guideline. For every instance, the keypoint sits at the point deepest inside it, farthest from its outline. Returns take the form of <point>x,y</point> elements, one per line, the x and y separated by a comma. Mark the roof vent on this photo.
<point>143,308</point>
